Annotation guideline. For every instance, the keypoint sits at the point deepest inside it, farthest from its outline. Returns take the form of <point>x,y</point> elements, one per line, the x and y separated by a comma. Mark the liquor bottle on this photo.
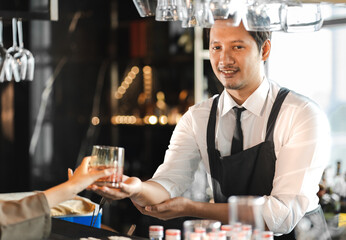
<point>228,229</point>
<point>256,234</point>
<point>172,234</point>
<point>267,235</point>
<point>247,229</point>
<point>156,232</point>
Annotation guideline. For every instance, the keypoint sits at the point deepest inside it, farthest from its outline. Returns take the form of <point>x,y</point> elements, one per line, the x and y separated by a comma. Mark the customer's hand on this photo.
<point>129,188</point>
<point>78,181</point>
<point>81,178</point>
<point>171,208</point>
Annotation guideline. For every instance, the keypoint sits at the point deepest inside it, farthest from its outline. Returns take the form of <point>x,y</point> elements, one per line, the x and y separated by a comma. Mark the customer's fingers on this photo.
<point>85,163</point>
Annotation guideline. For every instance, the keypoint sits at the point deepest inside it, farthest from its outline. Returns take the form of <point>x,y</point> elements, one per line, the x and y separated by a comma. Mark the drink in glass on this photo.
<point>108,157</point>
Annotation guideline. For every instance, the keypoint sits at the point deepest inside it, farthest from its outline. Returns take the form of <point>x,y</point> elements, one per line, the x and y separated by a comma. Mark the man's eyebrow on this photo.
<point>237,41</point>
<point>234,41</point>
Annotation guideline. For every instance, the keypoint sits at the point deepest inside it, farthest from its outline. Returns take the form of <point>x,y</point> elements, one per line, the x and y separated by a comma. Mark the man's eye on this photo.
<point>216,48</point>
<point>238,47</point>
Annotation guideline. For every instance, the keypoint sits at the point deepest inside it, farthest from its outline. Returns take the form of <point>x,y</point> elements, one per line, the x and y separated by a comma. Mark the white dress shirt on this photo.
<point>302,148</point>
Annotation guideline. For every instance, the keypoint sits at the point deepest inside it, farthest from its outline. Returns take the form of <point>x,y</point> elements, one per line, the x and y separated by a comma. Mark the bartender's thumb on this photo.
<point>126,188</point>
<point>161,207</point>
<point>130,186</point>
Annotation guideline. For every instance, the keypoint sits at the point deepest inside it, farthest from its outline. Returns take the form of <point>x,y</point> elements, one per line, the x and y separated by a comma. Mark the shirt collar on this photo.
<point>254,103</point>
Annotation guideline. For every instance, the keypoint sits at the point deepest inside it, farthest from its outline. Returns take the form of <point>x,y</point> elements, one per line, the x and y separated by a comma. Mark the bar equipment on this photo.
<point>190,19</point>
<point>28,71</point>
<point>199,229</point>
<point>170,10</point>
<point>145,8</point>
<point>245,213</point>
<point>19,62</point>
<point>16,62</point>
<point>204,14</point>
<point>301,17</point>
<point>256,15</point>
<point>263,15</point>
<point>3,56</point>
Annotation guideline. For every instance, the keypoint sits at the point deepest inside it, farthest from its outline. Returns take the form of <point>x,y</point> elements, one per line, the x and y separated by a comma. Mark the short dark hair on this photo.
<point>260,37</point>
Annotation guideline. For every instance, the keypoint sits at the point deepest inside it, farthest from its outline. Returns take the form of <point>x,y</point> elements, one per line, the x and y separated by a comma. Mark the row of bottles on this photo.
<point>332,192</point>
<point>227,232</point>
<point>156,233</point>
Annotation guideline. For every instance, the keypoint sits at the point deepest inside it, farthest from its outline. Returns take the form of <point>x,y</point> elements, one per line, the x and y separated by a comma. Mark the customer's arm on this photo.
<point>29,218</point>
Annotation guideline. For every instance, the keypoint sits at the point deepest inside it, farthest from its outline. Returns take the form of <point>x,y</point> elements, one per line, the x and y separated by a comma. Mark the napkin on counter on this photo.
<point>77,206</point>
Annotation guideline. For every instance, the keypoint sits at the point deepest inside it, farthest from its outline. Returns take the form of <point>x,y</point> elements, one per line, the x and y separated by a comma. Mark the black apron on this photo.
<point>250,172</point>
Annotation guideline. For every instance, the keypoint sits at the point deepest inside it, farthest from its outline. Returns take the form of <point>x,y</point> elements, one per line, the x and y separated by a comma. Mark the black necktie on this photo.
<point>237,142</point>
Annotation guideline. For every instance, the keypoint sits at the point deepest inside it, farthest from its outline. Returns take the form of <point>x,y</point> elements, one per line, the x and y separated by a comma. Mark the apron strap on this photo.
<point>275,112</point>
<point>211,124</point>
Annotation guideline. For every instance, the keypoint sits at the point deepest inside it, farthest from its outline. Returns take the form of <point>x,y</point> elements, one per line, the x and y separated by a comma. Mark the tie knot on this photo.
<point>238,111</point>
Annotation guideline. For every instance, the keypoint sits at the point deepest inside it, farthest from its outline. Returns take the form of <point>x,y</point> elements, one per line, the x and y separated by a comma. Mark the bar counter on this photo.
<point>62,229</point>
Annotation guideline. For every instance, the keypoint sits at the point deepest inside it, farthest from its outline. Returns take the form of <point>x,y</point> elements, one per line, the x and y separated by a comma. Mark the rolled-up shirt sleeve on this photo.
<point>302,156</point>
<point>29,217</point>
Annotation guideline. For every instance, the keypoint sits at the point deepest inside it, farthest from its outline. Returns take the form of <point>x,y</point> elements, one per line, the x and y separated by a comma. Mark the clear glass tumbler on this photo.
<point>103,157</point>
<point>246,211</point>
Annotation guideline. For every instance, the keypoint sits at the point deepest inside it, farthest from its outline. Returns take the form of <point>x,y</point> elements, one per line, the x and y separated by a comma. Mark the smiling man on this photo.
<point>255,138</point>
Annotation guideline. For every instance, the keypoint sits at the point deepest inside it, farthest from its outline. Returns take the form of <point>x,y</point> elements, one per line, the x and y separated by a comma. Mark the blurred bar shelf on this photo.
<point>50,13</point>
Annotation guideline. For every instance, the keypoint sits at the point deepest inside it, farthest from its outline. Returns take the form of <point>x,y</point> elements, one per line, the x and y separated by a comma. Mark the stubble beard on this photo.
<point>232,85</point>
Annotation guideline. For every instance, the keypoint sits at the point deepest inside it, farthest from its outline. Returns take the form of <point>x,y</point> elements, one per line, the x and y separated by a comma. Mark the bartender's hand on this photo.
<point>171,208</point>
<point>130,187</point>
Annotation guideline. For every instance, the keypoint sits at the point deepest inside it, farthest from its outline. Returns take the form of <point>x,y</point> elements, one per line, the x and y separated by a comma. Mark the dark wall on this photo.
<point>90,48</point>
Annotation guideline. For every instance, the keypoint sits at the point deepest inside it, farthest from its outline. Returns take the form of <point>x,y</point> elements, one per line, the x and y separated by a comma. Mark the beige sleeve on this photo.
<point>29,217</point>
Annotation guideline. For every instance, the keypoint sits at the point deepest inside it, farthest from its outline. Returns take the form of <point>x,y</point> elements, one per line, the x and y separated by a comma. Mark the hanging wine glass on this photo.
<point>220,8</point>
<point>28,72</point>
<point>170,10</point>
<point>190,19</point>
<point>2,55</point>
<point>145,8</point>
<point>19,63</point>
<point>227,9</point>
<point>204,14</point>
<point>298,17</point>
<point>5,59</point>
<point>262,15</point>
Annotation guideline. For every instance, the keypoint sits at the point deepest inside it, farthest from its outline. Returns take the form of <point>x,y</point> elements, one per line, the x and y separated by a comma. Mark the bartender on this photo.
<point>255,138</point>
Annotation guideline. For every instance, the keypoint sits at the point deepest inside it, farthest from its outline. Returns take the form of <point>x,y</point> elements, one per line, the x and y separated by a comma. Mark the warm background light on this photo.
<point>95,121</point>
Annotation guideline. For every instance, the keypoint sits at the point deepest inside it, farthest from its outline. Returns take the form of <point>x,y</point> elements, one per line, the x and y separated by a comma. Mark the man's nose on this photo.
<point>227,58</point>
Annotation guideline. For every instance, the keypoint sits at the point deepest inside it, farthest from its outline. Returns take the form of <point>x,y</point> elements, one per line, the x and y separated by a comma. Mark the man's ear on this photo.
<point>266,49</point>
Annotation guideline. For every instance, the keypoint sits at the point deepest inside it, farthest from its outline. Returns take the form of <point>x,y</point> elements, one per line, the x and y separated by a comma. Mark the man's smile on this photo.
<point>228,71</point>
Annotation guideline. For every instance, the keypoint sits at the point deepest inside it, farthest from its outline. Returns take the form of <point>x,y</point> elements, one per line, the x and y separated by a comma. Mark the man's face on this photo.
<point>234,56</point>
